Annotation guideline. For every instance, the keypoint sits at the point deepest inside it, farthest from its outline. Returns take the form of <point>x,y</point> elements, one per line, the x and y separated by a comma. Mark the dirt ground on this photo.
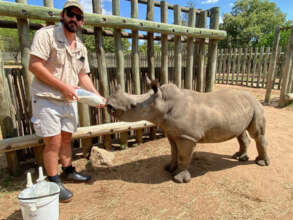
<point>137,187</point>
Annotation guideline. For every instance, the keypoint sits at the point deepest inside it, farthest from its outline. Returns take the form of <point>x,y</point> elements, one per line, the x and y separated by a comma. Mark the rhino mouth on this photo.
<point>113,111</point>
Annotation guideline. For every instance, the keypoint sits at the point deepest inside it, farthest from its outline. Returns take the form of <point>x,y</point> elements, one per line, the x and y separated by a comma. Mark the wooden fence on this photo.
<point>195,34</point>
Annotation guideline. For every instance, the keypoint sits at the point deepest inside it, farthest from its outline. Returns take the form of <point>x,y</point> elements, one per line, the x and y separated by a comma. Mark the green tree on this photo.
<point>252,23</point>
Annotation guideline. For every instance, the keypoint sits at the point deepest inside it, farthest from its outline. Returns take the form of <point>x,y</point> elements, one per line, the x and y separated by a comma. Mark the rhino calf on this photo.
<point>188,117</point>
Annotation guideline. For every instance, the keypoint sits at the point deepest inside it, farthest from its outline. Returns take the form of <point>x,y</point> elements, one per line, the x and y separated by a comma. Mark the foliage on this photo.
<point>252,23</point>
<point>109,45</point>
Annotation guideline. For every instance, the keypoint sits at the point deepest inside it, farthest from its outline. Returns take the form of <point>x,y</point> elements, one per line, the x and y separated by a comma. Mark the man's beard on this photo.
<point>71,26</point>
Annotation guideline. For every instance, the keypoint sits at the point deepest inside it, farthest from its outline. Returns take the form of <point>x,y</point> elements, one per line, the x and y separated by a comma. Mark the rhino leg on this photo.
<point>172,166</point>
<point>243,141</point>
<point>257,132</point>
<point>184,155</point>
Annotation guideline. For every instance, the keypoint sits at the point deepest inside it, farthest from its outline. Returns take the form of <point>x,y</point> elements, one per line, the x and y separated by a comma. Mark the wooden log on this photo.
<point>272,67</point>
<point>190,48</point>
<point>138,136</point>
<point>280,69</point>
<point>102,67</point>
<point>178,48</point>
<point>164,45</point>
<point>248,68</point>
<point>286,71</point>
<point>201,21</point>
<point>255,61</point>
<point>212,50</point>
<point>38,154</point>
<point>150,42</point>
<point>36,12</point>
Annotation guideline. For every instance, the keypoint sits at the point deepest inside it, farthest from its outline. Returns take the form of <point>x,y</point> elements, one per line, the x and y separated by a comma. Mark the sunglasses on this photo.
<point>72,14</point>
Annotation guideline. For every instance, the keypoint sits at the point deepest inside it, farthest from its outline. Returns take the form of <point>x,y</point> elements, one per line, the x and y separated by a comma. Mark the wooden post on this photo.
<point>190,48</point>
<point>265,66</point>
<point>255,61</point>
<point>259,67</point>
<point>234,52</point>
<point>7,125</point>
<point>244,65</point>
<point>49,4</point>
<point>164,45</point>
<point>221,63</point>
<point>239,56</point>
<point>150,42</point>
<point>102,68</point>
<point>212,51</point>
<point>85,121</point>
<point>135,60</point>
<point>249,65</point>
<point>229,64</point>
<point>286,71</point>
<point>272,67</point>
<point>225,65</point>
<point>24,38</point>
<point>178,48</point>
<point>118,47</point>
<point>201,20</point>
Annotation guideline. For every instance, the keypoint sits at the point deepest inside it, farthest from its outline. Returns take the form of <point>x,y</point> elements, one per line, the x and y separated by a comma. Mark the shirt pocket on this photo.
<point>60,57</point>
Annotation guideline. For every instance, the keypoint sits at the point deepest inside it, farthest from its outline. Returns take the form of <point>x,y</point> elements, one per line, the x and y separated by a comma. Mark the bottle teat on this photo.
<point>41,175</point>
<point>29,182</point>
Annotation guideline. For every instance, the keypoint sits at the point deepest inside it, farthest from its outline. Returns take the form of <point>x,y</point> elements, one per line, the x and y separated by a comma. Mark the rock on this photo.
<point>101,157</point>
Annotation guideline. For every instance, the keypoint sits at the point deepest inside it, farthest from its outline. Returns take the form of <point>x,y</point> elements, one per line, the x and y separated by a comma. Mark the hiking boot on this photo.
<point>69,174</point>
<point>65,195</point>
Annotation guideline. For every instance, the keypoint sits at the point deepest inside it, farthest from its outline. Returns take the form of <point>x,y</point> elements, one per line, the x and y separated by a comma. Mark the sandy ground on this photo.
<point>137,187</point>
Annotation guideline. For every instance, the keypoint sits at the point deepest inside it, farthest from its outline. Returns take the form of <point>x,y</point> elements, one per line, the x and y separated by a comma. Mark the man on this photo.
<point>59,63</point>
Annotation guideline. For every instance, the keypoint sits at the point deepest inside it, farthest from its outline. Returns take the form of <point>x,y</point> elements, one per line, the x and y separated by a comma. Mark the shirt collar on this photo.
<point>60,36</point>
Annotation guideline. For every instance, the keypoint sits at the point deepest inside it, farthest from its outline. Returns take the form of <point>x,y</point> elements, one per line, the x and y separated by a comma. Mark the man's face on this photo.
<point>72,19</point>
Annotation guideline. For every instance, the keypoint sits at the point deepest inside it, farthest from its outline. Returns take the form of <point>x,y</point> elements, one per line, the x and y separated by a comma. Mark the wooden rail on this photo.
<point>21,142</point>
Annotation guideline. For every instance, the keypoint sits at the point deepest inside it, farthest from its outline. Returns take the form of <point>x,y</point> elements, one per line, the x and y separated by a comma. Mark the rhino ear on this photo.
<point>148,80</point>
<point>154,86</point>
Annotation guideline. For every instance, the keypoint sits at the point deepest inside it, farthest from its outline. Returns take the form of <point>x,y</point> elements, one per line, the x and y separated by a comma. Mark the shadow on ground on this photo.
<point>151,170</point>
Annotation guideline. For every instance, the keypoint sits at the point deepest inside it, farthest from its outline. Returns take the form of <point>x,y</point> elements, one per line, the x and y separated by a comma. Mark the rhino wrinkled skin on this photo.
<point>188,117</point>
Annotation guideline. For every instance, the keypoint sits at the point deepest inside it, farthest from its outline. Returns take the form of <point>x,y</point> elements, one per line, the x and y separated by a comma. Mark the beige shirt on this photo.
<point>51,45</point>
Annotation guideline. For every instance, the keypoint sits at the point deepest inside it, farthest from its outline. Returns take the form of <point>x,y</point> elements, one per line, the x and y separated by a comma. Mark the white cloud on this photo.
<point>209,1</point>
<point>88,7</point>
<point>231,4</point>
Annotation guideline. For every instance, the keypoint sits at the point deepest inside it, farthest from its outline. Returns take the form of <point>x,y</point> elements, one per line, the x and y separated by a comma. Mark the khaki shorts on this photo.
<point>50,117</point>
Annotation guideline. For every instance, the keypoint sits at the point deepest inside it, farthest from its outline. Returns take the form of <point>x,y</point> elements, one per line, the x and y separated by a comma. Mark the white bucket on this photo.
<point>44,207</point>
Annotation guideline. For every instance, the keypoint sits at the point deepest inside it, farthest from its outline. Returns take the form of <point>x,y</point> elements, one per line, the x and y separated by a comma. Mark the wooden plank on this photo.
<point>272,67</point>
<point>178,48</point>
<point>233,68</point>
<point>150,42</point>
<point>190,48</point>
<point>21,142</point>
<point>164,45</point>
<point>244,65</point>
<point>286,71</point>
<point>248,68</point>
<point>221,66</point>
<point>43,13</point>
<point>212,50</point>
<point>224,79</point>
<point>201,21</point>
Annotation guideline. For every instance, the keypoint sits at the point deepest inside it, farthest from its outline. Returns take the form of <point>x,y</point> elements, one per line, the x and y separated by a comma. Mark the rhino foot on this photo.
<point>182,177</point>
<point>170,167</point>
<point>240,156</point>
<point>262,162</point>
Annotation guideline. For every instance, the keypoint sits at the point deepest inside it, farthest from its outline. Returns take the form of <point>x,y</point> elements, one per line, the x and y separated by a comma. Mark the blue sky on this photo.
<point>286,6</point>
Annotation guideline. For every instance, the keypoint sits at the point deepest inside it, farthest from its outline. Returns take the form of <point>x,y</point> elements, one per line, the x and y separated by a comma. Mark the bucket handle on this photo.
<point>39,197</point>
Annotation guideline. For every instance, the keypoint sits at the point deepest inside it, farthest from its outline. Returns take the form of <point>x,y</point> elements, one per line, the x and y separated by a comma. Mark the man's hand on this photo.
<point>69,93</point>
